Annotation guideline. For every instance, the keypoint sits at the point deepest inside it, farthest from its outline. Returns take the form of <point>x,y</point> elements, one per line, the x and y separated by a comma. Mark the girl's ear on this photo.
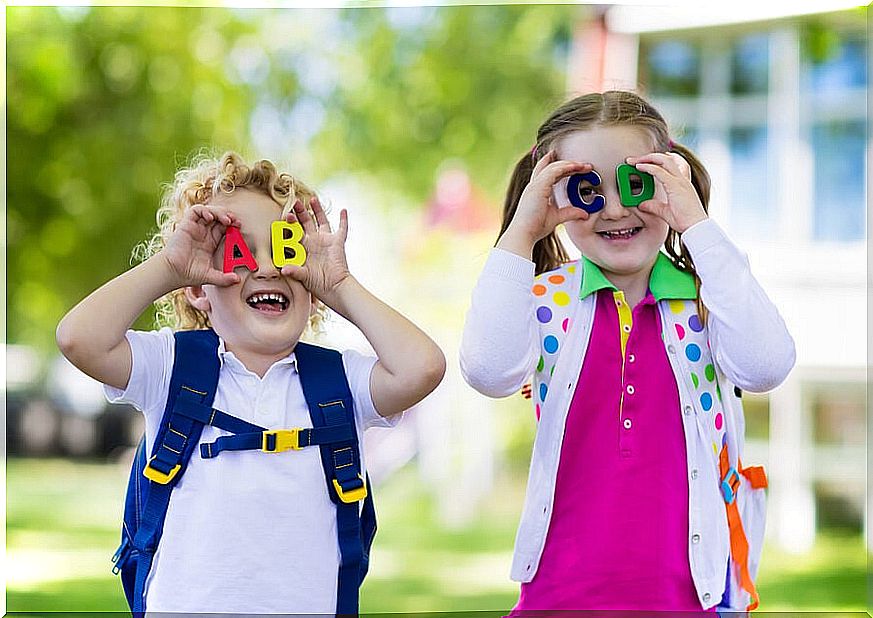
<point>196,297</point>
<point>313,304</point>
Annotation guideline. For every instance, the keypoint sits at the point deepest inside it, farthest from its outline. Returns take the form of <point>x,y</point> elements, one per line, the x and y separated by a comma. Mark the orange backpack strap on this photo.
<point>755,474</point>
<point>739,544</point>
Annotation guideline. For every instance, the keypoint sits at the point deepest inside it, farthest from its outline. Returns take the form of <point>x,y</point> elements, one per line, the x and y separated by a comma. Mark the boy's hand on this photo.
<point>325,268</point>
<point>676,201</point>
<point>537,215</point>
<point>190,250</point>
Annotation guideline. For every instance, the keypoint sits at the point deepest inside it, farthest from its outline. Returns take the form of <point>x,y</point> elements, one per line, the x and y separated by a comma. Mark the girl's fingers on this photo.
<point>657,171</point>
<point>543,162</point>
<point>557,170</point>
<point>318,211</point>
<point>671,161</point>
<point>657,208</point>
<point>572,214</point>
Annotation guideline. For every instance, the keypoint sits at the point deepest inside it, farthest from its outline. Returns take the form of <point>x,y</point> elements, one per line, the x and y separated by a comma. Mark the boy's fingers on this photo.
<point>318,211</point>
<point>293,271</point>
<point>343,229</point>
<point>222,279</point>
<point>304,217</point>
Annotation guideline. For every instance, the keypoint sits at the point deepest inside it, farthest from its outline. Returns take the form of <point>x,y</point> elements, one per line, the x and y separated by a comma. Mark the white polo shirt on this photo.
<point>246,532</point>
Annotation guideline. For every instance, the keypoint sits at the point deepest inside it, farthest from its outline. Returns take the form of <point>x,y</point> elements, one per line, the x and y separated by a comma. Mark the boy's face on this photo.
<point>265,313</point>
<point>622,241</point>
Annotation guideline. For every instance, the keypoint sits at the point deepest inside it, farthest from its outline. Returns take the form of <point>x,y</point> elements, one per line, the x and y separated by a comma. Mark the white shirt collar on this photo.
<point>225,354</point>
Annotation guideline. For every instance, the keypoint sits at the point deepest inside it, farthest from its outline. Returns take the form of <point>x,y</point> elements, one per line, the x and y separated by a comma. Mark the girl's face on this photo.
<point>623,242</point>
<point>265,313</point>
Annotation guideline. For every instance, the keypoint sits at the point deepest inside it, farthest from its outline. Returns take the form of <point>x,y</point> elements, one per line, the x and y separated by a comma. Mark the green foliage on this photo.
<point>59,556</point>
<point>103,103</point>
<point>418,87</point>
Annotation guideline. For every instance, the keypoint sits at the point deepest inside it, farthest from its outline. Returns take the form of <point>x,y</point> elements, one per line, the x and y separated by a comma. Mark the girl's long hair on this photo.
<point>603,109</point>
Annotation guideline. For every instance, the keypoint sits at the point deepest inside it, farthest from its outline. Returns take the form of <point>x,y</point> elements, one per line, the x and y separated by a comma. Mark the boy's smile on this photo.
<point>262,317</point>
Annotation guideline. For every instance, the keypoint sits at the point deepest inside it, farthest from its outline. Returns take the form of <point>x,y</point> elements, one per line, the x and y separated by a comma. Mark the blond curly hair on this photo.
<point>206,177</point>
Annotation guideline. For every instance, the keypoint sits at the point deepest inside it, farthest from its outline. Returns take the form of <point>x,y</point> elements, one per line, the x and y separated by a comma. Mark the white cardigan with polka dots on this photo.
<point>503,344</point>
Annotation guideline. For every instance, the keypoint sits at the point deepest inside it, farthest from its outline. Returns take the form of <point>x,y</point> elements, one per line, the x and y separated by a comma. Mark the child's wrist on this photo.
<point>167,272</point>
<point>340,294</point>
<point>517,241</point>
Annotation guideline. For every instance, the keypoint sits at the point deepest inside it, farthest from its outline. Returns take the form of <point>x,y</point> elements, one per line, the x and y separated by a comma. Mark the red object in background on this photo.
<point>237,252</point>
<point>526,391</point>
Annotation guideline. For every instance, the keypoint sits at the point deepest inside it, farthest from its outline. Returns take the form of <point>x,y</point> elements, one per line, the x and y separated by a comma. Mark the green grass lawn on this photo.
<point>63,518</point>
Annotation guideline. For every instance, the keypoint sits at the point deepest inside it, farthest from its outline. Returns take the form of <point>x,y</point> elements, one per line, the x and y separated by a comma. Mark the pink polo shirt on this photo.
<point>618,537</point>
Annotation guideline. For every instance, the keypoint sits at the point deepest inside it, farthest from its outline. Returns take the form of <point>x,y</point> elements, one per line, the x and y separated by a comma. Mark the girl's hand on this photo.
<point>190,250</point>
<point>676,201</point>
<point>537,215</point>
<point>325,268</point>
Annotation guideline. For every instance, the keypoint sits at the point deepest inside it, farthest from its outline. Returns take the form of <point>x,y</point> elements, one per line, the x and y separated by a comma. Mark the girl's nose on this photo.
<point>613,208</point>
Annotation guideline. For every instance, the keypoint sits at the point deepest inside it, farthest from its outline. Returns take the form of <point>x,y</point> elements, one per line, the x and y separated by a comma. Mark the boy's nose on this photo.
<point>266,268</point>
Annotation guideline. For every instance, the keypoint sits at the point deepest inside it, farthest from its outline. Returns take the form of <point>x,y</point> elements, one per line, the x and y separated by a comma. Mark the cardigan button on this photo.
<point>706,597</point>
<point>694,473</point>
<point>688,410</point>
<point>695,538</point>
<point>671,349</point>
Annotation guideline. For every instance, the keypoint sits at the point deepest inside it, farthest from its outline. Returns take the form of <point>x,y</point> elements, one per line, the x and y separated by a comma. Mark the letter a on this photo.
<point>236,251</point>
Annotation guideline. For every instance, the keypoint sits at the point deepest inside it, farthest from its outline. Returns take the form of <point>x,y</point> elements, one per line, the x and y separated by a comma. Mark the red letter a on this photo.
<point>236,251</point>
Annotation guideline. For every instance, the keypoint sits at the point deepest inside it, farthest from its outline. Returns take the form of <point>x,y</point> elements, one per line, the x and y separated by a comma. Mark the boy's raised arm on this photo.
<point>91,335</point>
<point>410,364</point>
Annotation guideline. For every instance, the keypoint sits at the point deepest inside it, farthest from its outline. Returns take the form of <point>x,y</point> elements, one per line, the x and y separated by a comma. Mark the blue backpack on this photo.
<point>189,408</point>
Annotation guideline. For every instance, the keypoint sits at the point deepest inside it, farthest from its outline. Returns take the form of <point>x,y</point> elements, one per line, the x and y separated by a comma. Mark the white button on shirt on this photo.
<point>246,532</point>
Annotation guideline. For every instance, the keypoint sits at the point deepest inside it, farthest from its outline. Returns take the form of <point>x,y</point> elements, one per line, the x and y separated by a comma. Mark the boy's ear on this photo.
<point>196,297</point>
<point>313,304</point>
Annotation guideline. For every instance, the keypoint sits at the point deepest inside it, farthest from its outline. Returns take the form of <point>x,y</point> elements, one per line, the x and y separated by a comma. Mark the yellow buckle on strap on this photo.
<point>157,476</point>
<point>286,440</point>
<point>351,496</point>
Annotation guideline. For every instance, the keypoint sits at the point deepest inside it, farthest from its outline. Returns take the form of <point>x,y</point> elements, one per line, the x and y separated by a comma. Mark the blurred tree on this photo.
<point>103,103</point>
<point>421,86</point>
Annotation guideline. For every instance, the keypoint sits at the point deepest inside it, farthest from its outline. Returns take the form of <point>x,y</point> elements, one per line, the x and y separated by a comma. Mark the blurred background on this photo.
<point>412,117</point>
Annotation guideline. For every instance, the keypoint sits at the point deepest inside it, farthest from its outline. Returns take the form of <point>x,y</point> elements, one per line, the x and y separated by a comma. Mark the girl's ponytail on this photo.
<point>548,252</point>
<point>673,245</point>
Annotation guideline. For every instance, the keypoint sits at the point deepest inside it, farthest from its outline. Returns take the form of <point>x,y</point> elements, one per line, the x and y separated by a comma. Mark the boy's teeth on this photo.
<point>271,298</point>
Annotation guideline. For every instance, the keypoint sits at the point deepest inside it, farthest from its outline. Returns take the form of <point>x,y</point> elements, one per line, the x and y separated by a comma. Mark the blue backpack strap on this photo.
<point>192,386</point>
<point>329,399</point>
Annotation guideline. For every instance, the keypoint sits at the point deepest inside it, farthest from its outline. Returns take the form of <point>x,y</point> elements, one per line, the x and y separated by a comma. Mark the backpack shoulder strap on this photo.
<point>329,399</point>
<point>192,384</point>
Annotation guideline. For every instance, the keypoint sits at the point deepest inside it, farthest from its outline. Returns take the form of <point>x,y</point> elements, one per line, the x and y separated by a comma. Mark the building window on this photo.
<point>750,65</point>
<point>838,204</point>
<point>672,68</point>
<point>752,212</point>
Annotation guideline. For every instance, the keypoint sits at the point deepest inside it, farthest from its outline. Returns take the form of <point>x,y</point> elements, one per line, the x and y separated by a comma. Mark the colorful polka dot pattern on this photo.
<point>553,297</point>
<point>694,344</point>
<point>553,294</point>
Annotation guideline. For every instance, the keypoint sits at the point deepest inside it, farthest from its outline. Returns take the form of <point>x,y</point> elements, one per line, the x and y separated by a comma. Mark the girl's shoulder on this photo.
<point>567,270</point>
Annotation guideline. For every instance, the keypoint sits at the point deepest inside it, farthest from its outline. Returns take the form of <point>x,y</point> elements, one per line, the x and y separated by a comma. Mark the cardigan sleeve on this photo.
<point>749,339</point>
<point>499,344</point>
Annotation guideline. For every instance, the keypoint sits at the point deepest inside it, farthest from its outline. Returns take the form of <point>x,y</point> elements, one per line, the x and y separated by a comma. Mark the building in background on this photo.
<point>776,108</point>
